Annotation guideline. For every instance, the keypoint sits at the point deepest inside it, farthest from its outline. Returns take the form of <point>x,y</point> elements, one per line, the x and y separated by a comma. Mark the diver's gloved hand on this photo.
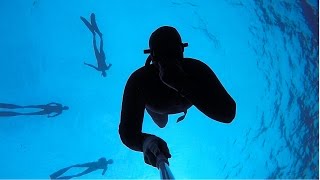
<point>172,74</point>
<point>152,147</point>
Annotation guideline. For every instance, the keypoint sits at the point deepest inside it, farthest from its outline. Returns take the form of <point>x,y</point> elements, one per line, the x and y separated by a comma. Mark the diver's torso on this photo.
<point>160,98</point>
<point>102,65</point>
<point>53,109</point>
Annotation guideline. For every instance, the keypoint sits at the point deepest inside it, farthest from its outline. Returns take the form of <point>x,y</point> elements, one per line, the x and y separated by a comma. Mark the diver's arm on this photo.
<point>89,164</point>
<point>101,44</point>
<point>132,112</point>
<point>54,115</point>
<point>90,65</point>
<point>104,171</point>
<point>204,90</point>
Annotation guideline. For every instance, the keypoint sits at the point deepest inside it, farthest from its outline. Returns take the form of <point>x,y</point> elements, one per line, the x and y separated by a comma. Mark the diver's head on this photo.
<point>104,74</point>
<point>65,108</point>
<point>110,161</point>
<point>165,44</point>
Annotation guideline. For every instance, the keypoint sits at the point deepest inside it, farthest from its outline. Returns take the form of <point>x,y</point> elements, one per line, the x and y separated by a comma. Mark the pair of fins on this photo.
<point>93,27</point>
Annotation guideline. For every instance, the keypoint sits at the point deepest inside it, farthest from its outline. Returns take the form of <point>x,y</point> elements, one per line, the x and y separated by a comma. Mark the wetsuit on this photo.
<point>144,89</point>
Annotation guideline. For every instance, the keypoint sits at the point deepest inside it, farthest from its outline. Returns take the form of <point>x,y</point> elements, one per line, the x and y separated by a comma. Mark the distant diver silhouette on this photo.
<point>100,55</point>
<point>51,110</point>
<point>102,163</point>
<point>35,2</point>
<point>167,84</point>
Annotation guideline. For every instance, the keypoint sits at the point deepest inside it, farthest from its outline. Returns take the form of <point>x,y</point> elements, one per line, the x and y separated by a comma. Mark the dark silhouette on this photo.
<point>170,84</point>
<point>51,110</point>
<point>102,164</point>
<point>100,55</point>
<point>35,2</point>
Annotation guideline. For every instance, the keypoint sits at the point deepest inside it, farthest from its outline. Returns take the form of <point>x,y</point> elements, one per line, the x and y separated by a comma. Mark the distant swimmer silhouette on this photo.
<point>100,55</point>
<point>169,84</point>
<point>51,110</point>
<point>102,164</point>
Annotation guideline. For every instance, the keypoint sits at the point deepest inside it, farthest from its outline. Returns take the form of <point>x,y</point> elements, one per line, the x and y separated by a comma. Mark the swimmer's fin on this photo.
<point>9,106</point>
<point>9,113</point>
<point>90,27</point>
<point>94,24</point>
<point>59,173</point>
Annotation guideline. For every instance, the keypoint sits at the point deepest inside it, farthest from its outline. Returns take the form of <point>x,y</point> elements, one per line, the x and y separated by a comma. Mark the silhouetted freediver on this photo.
<point>52,109</point>
<point>100,55</point>
<point>170,85</point>
<point>102,164</point>
<point>35,2</point>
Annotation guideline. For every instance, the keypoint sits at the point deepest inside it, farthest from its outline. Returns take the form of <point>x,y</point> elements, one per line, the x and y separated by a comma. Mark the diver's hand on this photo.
<point>172,75</point>
<point>152,147</point>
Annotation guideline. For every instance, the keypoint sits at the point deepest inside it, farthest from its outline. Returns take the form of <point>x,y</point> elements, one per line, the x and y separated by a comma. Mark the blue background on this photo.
<point>265,53</point>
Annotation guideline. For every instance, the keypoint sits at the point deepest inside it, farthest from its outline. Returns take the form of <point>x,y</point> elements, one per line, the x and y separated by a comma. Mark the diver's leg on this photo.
<point>87,24</point>
<point>89,170</point>
<point>65,177</point>
<point>87,165</point>
<point>96,51</point>
<point>35,113</point>
<point>102,54</point>
<point>160,119</point>
<point>94,24</point>
<point>9,106</point>
<point>35,106</point>
<point>101,46</point>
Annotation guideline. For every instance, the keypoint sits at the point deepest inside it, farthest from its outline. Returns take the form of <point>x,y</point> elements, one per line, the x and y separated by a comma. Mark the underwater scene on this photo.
<point>159,89</point>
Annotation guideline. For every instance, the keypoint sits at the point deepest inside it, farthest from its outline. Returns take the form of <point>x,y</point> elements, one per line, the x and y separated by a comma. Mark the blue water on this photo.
<point>265,53</point>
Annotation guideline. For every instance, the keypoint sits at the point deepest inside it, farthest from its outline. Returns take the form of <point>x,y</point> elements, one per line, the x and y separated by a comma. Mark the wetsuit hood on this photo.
<point>165,40</point>
<point>163,37</point>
